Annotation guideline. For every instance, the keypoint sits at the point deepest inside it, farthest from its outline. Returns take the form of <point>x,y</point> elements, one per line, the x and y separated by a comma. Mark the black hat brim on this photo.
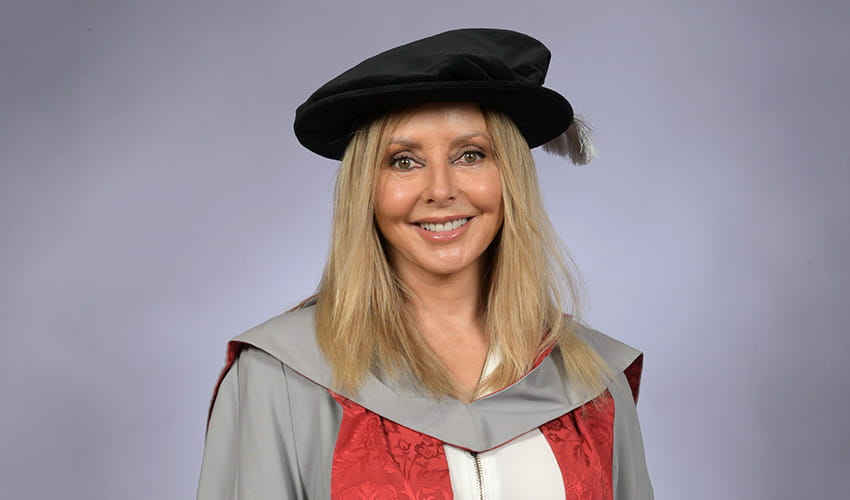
<point>325,126</point>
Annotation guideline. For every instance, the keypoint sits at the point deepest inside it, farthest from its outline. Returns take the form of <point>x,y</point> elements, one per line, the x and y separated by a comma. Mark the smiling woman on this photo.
<point>438,206</point>
<point>438,358</point>
<point>438,201</point>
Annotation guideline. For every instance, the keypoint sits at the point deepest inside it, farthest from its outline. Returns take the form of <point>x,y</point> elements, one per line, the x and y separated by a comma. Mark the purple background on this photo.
<point>154,203</point>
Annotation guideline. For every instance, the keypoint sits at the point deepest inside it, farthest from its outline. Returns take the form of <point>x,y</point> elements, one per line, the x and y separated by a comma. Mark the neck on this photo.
<point>455,297</point>
<point>449,315</point>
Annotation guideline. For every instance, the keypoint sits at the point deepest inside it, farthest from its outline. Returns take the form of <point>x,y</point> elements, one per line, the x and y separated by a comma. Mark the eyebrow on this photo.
<point>410,143</point>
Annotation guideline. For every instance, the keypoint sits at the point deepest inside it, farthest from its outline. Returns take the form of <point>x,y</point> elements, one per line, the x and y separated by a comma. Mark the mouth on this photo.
<point>442,227</point>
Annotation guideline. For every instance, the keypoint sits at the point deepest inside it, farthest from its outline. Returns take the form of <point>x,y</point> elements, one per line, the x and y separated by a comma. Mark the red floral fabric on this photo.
<point>583,443</point>
<point>376,459</point>
<point>633,373</point>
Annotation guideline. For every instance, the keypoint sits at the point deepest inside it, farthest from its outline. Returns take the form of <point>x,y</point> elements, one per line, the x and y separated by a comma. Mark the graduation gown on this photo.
<point>276,430</point>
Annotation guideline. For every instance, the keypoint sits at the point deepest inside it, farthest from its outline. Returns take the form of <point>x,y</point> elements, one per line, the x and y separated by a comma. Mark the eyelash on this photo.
<point>480,155</point>
<point>395,159</point>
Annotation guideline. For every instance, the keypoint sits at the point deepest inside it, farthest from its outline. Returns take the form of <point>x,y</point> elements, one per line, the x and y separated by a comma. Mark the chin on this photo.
<point>449,268</point>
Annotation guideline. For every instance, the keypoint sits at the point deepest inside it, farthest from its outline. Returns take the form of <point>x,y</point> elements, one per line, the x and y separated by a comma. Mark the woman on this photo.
<point>436,360</point>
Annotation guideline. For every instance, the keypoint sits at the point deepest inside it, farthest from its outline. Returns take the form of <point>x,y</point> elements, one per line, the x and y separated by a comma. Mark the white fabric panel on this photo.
<point>523,468</point>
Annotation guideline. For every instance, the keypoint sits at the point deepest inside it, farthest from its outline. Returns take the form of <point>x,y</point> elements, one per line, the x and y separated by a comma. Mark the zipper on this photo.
<point>476,460</point>
<point>479,476</point>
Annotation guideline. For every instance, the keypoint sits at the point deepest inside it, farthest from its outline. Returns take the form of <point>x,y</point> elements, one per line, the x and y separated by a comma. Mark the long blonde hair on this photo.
<point>530,299</point>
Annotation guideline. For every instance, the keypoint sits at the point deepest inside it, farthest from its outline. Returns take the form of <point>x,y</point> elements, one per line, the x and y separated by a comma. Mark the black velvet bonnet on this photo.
<point>499,69</point>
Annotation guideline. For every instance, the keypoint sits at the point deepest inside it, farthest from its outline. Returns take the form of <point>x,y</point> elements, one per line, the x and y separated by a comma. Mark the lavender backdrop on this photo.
<point>154,203</point>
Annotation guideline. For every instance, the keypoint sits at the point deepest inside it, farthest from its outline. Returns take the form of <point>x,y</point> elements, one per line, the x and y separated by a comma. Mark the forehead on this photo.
<point>440,119</point>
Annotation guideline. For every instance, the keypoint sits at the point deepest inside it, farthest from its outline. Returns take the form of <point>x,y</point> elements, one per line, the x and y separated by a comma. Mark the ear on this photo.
<point>576,143</point>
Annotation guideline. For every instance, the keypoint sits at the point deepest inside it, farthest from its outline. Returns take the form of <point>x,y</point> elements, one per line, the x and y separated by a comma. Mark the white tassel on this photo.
<point>576,143</point>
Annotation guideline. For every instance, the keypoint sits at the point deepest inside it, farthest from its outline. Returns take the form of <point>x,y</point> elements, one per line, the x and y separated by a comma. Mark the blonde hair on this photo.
<point>363,322</point>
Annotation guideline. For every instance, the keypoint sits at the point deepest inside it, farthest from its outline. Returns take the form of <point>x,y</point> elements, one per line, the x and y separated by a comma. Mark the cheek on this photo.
<point>488,193</point>
<point>392,200</point>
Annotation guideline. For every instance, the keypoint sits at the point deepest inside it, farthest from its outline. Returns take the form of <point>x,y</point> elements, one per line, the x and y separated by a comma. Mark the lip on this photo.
<point>441,220</point>
<point>445,235</point>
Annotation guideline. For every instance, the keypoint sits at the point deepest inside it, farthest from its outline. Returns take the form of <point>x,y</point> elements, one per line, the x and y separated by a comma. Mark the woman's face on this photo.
<point>438,201</point>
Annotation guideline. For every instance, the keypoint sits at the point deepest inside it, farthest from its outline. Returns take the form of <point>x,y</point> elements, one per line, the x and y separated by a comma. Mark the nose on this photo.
<point>441,184</point>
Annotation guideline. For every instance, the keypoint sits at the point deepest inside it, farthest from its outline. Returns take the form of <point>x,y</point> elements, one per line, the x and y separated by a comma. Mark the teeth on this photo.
<point>446,226</point>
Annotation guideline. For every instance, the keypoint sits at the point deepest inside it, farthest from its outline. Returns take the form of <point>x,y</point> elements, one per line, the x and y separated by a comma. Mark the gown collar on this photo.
<point>545,393</point>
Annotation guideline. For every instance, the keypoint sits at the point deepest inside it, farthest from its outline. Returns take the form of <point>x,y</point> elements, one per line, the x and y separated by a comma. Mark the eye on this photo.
<point>471,156</point>
<point>402,162</point>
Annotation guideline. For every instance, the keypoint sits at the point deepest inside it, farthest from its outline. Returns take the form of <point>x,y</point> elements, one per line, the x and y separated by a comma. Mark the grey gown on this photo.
<point>273,423</point>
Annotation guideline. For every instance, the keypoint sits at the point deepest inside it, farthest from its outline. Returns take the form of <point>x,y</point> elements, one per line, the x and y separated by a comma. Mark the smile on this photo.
<point>444,226</point>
